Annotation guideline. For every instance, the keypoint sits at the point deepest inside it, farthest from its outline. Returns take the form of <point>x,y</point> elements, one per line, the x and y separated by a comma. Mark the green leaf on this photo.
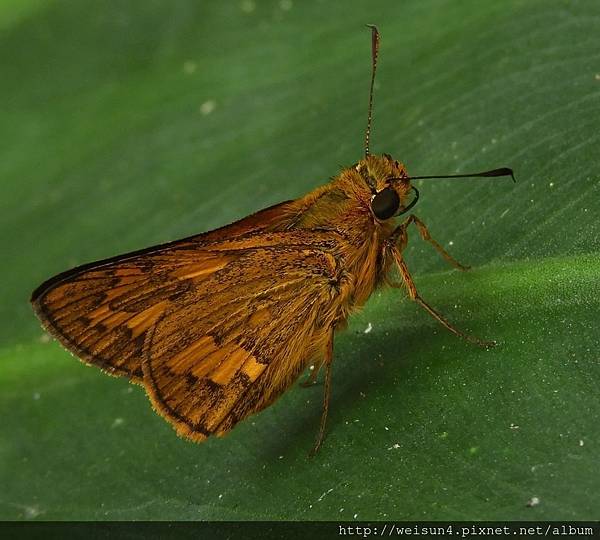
<point>129,124</point>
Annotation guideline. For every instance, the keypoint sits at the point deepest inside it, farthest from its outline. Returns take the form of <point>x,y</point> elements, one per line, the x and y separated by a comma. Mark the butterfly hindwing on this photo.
<point>212,363</point>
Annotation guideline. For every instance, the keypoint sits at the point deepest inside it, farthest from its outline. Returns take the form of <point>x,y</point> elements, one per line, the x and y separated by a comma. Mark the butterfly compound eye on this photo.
<point>385,203</point>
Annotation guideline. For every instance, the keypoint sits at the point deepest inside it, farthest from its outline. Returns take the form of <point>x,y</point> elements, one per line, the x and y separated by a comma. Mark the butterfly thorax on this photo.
<point>344,207</point>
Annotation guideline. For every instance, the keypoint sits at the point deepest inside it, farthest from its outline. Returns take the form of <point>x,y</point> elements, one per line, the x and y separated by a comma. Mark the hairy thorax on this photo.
<point>361,239</point>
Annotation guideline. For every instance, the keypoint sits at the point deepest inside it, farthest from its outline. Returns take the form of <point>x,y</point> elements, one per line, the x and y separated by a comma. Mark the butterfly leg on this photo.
<point>414,295</point>
<point>401,230</point>
<point>327,362</point>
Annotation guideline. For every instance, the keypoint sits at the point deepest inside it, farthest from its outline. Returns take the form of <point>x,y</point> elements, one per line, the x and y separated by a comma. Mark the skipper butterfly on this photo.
<point>217,326</point>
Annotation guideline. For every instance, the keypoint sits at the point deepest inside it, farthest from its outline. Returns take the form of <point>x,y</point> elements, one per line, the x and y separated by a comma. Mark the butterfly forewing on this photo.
<point>102,311</point>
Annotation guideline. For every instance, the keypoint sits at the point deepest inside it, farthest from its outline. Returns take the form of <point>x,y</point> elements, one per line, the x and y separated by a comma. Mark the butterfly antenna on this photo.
<point>374,54</point>
<point>504,171</point>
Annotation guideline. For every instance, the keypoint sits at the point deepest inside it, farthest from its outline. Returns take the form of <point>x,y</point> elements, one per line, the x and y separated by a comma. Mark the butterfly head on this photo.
<point>391,193</point>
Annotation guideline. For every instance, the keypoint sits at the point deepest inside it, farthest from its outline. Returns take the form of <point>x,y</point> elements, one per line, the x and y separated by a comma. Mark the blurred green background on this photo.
<point>129,123</point>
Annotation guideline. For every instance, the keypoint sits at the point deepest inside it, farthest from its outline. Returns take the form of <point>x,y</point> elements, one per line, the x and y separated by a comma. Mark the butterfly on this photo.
<point>217,326</point>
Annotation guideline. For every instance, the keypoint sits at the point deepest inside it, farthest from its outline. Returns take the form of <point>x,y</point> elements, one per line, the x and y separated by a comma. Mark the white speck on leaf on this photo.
<point>117,422</point>
<point>394,446</point>
<point>189,67</point>
<point>368,328</point>
<point>534,501</point>
<point>534,468</point>
<point>32,512</point>
<point>580,442</point>
<point>207,107</point>
<point>325,494</point>
<point>248,6</point>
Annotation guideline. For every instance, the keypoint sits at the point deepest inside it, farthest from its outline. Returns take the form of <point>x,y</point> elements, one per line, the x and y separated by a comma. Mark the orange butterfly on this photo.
<point>217,326</point>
